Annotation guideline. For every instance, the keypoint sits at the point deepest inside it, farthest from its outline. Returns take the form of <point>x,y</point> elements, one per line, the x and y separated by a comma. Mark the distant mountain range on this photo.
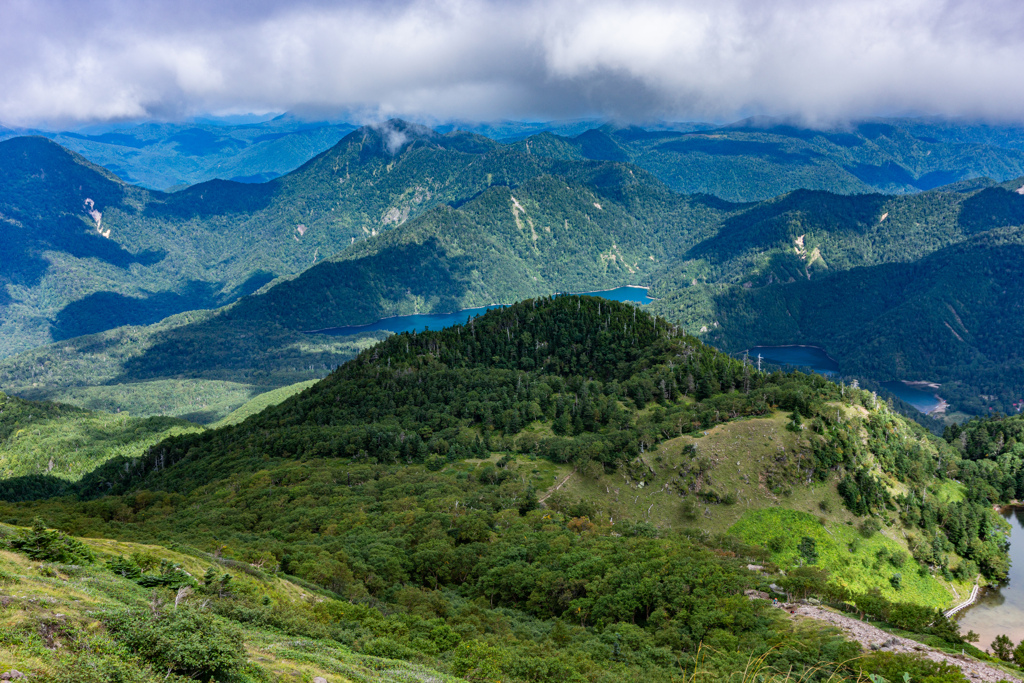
<point>398,218</point>
<point>747,160</point>
<point>759,159</point>
<point>171,156</point>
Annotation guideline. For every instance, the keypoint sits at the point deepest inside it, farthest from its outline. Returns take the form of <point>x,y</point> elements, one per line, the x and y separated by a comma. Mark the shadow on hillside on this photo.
<point>772,223</point>
<point>772,151</point>
<point>214,198</point>
<point>394,281</point>
<point>993,207</point>
<point>22,250</point>
<point>34,487</point>
<point>261,340</point>
<point>102,311</point>
<point>106,310</point>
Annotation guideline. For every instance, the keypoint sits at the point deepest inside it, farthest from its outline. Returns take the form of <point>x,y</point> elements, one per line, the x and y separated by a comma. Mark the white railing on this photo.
<point>966,603</point>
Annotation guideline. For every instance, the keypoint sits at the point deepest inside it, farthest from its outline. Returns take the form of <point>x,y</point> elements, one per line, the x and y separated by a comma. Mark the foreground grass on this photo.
<point>48,611</point>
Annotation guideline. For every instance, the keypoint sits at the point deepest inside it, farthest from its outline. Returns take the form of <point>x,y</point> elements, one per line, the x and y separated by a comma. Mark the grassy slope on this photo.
<point>261,401</point>
<point>739,452</point>
<point>40,594</point>
<point>72,445</point>
<point>197,400</point>
<point>851,559</point>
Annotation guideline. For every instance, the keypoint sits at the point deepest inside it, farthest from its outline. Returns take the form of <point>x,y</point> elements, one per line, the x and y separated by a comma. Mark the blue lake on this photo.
<point>815,359</point>
<point>437,321</point>
<point>922,398</point>
<point>810,357</point>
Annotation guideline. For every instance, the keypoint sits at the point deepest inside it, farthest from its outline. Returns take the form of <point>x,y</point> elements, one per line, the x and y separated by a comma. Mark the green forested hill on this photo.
<point>66,442</point>
<point>89,263</point>
<point>546,235</point>
<point>89,253</point>
<point>950,317</point>
<point>399,219</point>
<point>595,225</point>
<point>407,488</point>
<point>604,225</point>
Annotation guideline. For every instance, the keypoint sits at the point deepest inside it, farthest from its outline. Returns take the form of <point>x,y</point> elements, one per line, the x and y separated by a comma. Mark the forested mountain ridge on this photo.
<point>954,309</point>
<point>743,161</point>
<point>131,256</point>
<point>760,158</point>
<point>407,486</point>
<point>606,225</point>
<point>594,225</point>
<point>421,222</point>
<point>548,234</point>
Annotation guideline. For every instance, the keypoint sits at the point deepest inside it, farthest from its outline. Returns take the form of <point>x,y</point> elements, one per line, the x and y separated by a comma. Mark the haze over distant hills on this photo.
<point>752,159</point>
<point>172,156</point>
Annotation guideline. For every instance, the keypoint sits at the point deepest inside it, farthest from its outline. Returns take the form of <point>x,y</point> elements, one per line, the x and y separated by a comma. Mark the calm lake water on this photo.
<point>923,399</point>
<point>437,321</point>
<point>1001,610</point>
<point>810,357</point>
<point>815,359</point>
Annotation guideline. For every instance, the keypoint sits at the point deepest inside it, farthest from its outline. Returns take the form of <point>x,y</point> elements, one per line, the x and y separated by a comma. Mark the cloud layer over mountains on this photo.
<point>816,60</point>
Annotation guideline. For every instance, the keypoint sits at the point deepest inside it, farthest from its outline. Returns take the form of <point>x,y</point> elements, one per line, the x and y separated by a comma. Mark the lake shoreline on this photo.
<point>999,608</point>
<point>939,409</point>
<point>327,330</point>
<point>792,346</point>
<point>360,329</point>
<point>804,356</point>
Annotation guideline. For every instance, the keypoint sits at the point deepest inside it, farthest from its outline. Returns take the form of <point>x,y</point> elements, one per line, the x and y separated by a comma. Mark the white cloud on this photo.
<point>818,60</point>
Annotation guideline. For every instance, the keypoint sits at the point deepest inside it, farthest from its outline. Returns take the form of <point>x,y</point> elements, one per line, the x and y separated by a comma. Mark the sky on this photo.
<point>814,61</point>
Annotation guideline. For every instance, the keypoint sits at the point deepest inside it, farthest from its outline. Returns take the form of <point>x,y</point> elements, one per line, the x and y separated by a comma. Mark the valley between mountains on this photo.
<point>370,229</point>
<point>196,484</point>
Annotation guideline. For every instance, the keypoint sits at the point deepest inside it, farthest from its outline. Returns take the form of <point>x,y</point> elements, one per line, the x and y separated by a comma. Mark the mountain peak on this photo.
<point>395,134</point>
<point>25,156</point>
<point>394,137</point>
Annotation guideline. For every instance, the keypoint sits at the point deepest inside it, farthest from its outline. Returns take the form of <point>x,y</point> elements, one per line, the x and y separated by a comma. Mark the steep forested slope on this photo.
<point>950,317</point>
<point>89,252</point>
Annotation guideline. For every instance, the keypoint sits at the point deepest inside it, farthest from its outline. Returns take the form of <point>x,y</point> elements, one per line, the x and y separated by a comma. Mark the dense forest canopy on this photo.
<point>404,486</point>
